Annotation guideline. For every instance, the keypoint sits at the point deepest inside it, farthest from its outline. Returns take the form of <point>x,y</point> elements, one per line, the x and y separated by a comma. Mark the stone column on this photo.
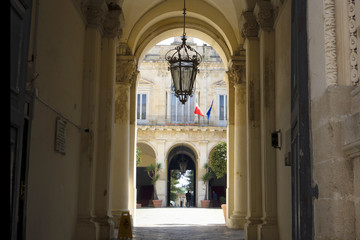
<point>254,213</point>
<point>105,141</point>
<point>125,69</point>
<point>237,77</point>
<point>86,227</point>
<point>132,156</point>
<point>230,149</point>
<point>264,15</point>
<point>161,184</point>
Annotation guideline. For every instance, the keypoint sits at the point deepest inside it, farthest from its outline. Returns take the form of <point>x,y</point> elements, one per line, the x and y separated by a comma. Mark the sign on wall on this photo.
<point>60,136</point>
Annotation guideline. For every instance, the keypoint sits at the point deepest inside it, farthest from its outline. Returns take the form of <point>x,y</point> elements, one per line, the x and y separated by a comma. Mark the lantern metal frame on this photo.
<point>183,64</point>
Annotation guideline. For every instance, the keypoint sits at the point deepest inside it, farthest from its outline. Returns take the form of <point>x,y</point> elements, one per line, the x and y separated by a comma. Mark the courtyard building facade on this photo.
<point>87,87</point>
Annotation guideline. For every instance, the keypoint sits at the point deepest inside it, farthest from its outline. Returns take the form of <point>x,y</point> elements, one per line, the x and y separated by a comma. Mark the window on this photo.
<point>222,107</point>
<point>182,113</point>
<point>141,106</point>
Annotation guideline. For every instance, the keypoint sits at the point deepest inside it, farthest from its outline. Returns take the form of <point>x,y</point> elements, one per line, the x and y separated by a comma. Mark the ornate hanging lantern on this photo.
<point>183,164</point>
<point>183,65</point>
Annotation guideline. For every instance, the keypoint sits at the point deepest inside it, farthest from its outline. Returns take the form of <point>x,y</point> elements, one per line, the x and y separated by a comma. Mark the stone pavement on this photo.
<point>182,224</point>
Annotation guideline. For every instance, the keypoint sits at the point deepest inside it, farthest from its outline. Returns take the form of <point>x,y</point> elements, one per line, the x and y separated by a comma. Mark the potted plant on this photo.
<point>206,178</point>
<point>153,170</point>
<point>223,206</point>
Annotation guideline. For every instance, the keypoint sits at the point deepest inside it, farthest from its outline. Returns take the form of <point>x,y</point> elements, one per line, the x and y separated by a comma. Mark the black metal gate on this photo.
<point>302,207</point>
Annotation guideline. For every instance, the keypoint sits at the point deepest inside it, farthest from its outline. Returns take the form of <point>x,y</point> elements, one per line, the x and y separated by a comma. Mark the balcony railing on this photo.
<point>156,120</point>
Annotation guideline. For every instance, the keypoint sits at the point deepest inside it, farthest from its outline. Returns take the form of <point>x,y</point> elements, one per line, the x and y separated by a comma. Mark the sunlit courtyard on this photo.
<point>181,223</point>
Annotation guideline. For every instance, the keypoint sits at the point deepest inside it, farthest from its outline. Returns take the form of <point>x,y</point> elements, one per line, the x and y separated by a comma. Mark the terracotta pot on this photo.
<point>157,203</point>
<point>205,203</point>
<point>138,205</point>
<point>223,206</point>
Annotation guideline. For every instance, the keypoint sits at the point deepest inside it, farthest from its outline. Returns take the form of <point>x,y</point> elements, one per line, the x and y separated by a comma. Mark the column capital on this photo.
<point>108,18</point>
<point>264,14</point>
<point>237,70</point>
<point>95,14</point>
<point>248,25</point>
<point>126,69</point>
<point>114,21</point>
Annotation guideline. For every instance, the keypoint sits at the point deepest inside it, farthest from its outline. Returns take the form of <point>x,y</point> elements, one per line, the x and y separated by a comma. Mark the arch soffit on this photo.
<point>174,28</point>
<point>150,146</point>
<point>200,10</point>
<point>189,145</point>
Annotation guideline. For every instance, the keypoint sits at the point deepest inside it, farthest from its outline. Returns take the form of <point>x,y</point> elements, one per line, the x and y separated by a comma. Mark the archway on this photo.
<point>183,159</point>
<point>144,187</point>
<point>217,186</point>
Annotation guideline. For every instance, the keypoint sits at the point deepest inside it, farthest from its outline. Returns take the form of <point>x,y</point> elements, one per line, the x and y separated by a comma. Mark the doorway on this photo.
<point>181,166</point>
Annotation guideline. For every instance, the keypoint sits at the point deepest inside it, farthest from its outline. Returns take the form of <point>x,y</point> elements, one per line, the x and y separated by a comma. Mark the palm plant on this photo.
<point>153,170</point>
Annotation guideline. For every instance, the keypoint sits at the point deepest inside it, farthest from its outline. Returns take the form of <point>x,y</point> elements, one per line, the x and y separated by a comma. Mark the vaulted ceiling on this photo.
<point>216,22</point>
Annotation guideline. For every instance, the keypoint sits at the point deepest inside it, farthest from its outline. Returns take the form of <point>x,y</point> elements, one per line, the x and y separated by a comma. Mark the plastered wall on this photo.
<point>53,177</point>
<point>282,116</point>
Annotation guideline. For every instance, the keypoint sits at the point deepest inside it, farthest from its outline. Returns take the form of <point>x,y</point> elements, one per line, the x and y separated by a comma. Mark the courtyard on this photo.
<point>182,223</point>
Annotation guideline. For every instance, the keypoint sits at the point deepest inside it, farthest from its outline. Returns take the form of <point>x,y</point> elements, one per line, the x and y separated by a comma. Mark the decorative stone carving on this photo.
<point>354,74</point>
<point>126,68</point>
<point>122,104</point>
<point>248,25</point>
<point>114,21</point>
<point>95,15</point>
<point>237,71</point>
<point>330,42</point>
<point>264,15</point>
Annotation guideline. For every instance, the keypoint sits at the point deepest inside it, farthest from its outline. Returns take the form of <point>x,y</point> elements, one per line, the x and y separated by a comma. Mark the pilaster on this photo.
<point>102,183</point>
<point>236,75</point>
<point>133,140</point>
<point>254,193</point>
<point>86,228</point>
<point>125,76</point>
<point>264,15</point>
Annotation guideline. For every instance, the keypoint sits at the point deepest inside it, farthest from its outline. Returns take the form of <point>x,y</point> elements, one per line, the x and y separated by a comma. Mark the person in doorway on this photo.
<point>214,199</point>
<point>188,199</point>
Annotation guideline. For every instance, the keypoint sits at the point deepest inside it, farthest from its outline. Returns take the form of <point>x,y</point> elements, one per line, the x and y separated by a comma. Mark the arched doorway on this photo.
<point>183,159</point>
<point>144,187</point>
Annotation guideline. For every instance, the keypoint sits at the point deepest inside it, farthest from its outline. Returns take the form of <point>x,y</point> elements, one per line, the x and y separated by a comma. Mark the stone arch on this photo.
<point>185,144</point>
<point>199,13</point>
<point>143,182</point>
<point>147,150</point>
<point>186,152</point>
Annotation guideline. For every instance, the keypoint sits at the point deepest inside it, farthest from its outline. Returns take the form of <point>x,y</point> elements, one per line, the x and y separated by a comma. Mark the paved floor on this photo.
<point>181,224</point>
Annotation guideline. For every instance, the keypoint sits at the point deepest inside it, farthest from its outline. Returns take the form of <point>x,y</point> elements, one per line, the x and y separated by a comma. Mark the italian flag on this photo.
<point>198,110</point>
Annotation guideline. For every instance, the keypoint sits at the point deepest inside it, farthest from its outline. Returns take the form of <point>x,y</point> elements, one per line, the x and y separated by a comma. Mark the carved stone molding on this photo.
<point>237,71</point>
<point>248,25</point>
<point>122,104</point>
<point>264,15</point>
<point>126,69</point>
<point>114,21</point>
<point>354,74</point>
<point>330,42</point>
<point>95,14</point>
<point>107,17</point>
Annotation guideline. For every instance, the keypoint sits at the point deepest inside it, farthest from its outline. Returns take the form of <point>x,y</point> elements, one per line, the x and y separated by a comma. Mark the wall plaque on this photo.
<point>60,136</point>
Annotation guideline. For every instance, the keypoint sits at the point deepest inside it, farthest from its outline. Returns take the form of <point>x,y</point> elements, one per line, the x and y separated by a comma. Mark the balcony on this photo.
<point>193,120</point>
